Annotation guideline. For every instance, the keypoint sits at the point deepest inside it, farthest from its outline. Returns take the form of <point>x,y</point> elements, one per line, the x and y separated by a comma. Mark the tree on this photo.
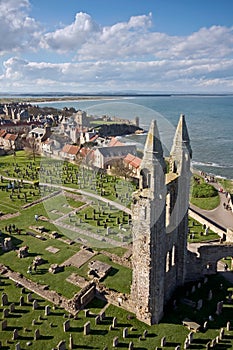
<point>31,147</point>
<point>119,168</point>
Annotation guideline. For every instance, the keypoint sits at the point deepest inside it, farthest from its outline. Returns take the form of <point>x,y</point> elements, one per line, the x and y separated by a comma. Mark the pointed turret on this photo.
<point>181,149</point>
<point>153,157</point>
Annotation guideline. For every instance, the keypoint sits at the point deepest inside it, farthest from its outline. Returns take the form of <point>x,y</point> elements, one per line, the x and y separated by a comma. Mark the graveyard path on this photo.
<point>89,234</point>
<point>92,195</point>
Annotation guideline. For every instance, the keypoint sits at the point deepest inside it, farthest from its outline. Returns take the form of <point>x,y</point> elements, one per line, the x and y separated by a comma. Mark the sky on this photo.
<point>91,46</point>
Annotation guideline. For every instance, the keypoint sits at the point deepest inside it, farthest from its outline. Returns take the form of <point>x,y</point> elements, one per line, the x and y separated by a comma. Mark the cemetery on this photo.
<point>56,241</point>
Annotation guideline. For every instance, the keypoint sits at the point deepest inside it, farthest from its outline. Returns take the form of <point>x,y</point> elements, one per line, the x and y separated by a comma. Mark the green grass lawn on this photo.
<point>196,229</point>
<point>203,195</point>
<point>51,326</point>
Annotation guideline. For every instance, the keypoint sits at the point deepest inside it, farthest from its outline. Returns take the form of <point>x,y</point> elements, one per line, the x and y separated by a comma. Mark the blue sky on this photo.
<point>102,45</point>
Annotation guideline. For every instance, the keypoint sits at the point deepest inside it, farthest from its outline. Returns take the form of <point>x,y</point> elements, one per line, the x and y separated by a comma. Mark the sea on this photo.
<point>209,120</point>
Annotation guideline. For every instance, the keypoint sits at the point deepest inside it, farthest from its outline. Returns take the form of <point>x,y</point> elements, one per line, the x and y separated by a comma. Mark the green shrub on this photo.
<point>203,190</point>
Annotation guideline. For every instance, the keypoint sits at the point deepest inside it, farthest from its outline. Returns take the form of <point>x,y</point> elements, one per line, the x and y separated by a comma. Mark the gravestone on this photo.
<point>12,307</point>
<point>115,342</point>
<point>34,304</point>
<point>221,333</point>
<point>21,301</point>
<point>130,346</point>
<point>36,334</point>
<point>102,315</point>
<point>47,310</point>
<point>17,346</point>
<point>199,304</point>
<point>210,295</point>
<point>208,346</point>
<point>4,325</point>
<point>145,333</point>
<point>114,322</point>
<point>219,308</point>
<point>177,347</point>
<point>33,322</point>
<point>5,313</point>
<point>213,343</point>
<point>71,342</point>
<point>125,332</point>
<point>228,326</point>
<point>4,299</point>
<point>29,297</point>
<point>61,345</point>
<point>86,312</point>
<point>186,343</point>
<point>87,328</point>
<point>193,289</point>
<point>205,326</point>
<point>199,285</point>
<point>97,320</point>
<point>15,334</point>
<point>163,342</point>
<point>66,325</point>
<point>190,337</point>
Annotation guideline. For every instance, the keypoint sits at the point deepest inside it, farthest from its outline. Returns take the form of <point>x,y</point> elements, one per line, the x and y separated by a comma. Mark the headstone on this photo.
<point>199,304</point>
<point>33,322</point>
<point>205,326</point>
<point>210,295</point>
<point>217,339</point>
<point>12,307</point>
<point>71,342</point>
<point>61,345</point>
<point>29,297</point>
<point>199,285</point>
<point>177,347</point>
<point>97,320</point>
<point>86,311</point>
<point>213,343</point>
<point>115,342</point>
<point>87,328</point>
<point>130,346</point>
<point>5,313</point>
<point>205,280</point>
<point>47,310</point>
<point>17,346</point>
<point>221,333</point>
<point>21,301</point>
<point>219,308</point>
<point>208,345</point>
<point>163,342</point>
<point>102,315</point>
<point>125,332</point>
<point>114,322</point>
<point>190,337</point>
<point>193,289</point>
<point>4,325</point>
<point>145,333</point>
<point>66,326</point>
<point>36,334</point>
<point>4,299</point>
<point>186,344</point>
<point>34,304</point>
<point>228,326</point>
<point>15,334</point>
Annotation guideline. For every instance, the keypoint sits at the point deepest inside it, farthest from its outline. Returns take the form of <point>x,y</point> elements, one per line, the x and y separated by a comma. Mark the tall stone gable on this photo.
<point>160,224</point>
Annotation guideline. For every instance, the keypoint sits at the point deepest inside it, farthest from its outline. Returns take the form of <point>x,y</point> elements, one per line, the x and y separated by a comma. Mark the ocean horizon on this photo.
<point>209,120</point>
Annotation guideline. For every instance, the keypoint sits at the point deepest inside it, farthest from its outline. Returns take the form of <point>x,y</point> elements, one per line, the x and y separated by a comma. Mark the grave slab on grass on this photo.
<point>52,250</point>
<point>80,258</point>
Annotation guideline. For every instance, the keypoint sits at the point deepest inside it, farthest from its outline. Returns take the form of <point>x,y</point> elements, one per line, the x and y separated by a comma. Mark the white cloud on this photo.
<point>72,36</point>
<point>126,55</point>
<point>17,31</point>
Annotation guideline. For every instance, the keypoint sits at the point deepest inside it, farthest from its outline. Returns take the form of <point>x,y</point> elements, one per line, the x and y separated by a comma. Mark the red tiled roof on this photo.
<point>11,137</point>
<point>135,162</point>
<point>114,142</point>
<point>2,133</point>
<point>70,149</point>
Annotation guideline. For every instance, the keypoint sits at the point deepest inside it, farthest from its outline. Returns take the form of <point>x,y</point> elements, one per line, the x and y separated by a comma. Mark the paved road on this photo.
<point>219,215</point>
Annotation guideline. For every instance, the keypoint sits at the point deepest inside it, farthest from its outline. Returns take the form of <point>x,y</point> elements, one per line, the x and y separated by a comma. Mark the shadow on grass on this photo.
<point>99,332</point>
